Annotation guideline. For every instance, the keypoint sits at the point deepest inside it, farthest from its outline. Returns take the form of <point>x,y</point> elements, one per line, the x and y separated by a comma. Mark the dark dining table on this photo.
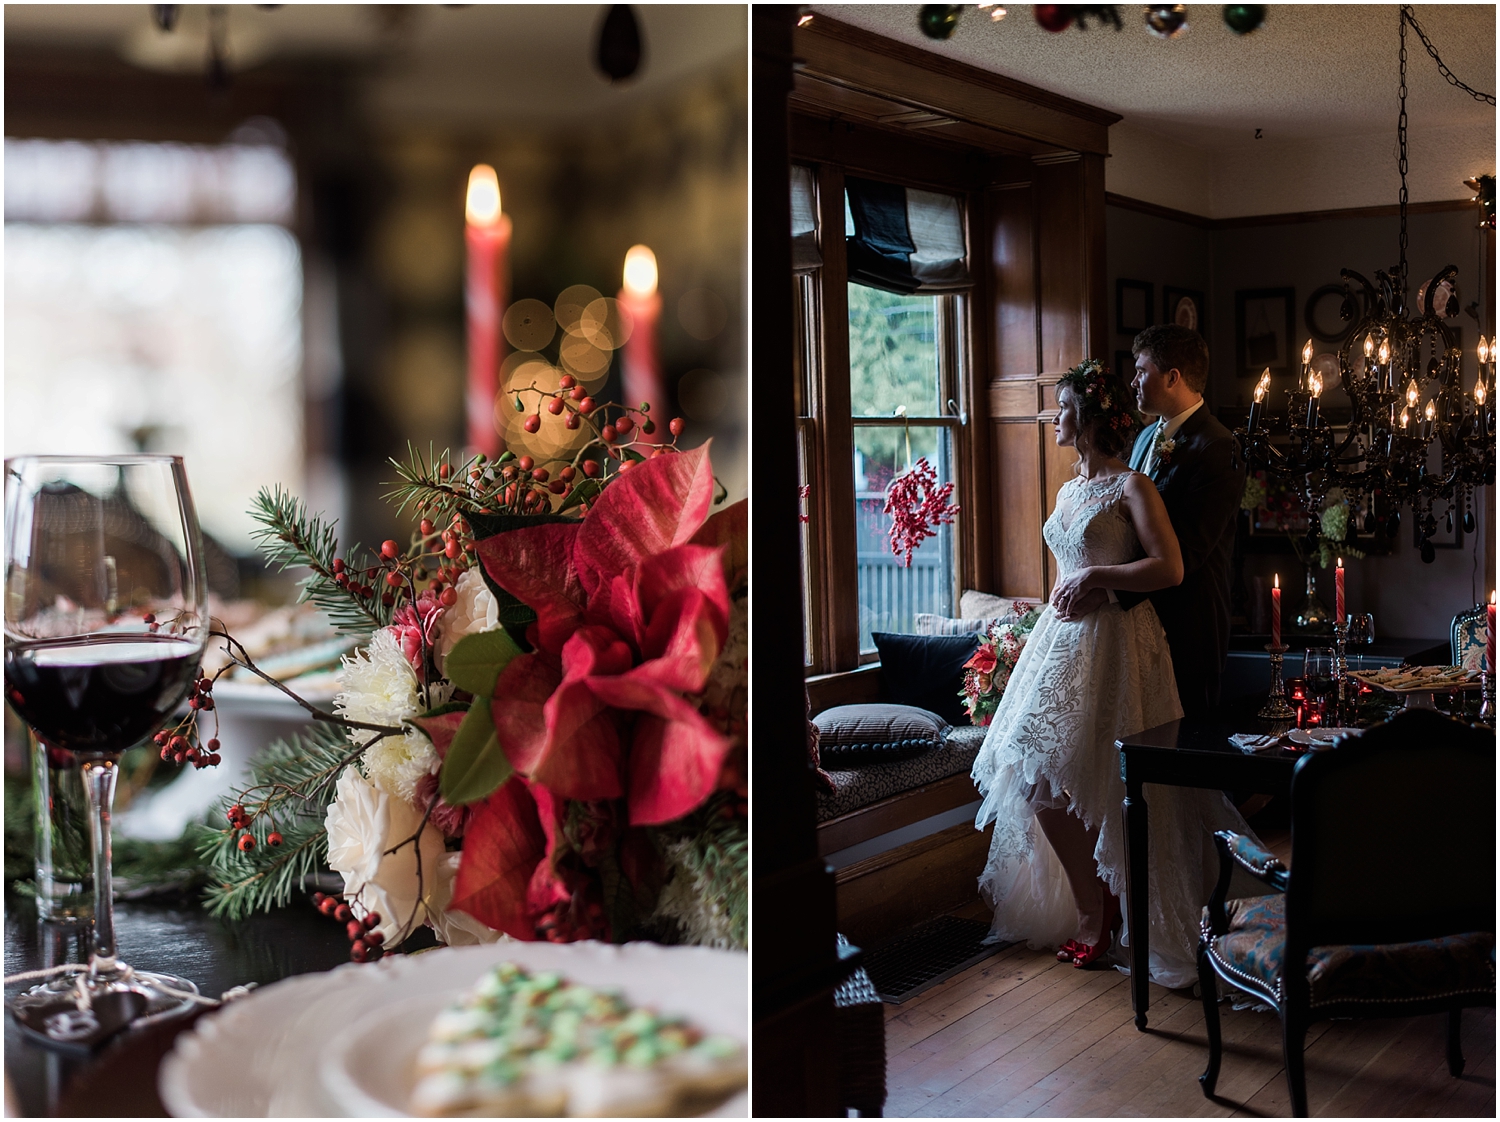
<point>1191,752</point>
<point>120,1078</point>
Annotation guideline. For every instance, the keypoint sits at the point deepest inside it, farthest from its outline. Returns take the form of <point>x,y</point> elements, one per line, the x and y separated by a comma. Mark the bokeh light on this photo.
<point>571,304</point>
<point>529,325</point>
<point>702,313</point>
<point>605,324</point>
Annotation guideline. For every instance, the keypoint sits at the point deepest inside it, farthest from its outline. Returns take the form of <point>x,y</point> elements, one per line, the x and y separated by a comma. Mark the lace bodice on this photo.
<point>1090,526</point>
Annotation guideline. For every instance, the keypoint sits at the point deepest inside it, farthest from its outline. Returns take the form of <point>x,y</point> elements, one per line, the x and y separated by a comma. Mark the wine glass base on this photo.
<point>53,1015</point>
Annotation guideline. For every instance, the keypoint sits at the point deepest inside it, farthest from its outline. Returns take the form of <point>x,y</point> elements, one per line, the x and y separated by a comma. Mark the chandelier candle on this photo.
<point>486,285</point>
<point>1314,390</point>
<point>1262,387</point>
<point>641,361</point>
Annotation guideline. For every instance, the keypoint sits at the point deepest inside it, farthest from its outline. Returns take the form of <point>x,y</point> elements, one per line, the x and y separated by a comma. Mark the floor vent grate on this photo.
<point>916,960</point>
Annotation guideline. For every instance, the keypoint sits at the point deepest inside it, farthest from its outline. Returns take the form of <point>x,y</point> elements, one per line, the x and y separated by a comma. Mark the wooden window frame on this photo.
<point>826,422</point>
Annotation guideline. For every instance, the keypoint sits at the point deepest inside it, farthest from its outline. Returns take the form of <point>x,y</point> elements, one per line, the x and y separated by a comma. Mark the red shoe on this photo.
<point>1069,950</point>
<point>1088,955</point>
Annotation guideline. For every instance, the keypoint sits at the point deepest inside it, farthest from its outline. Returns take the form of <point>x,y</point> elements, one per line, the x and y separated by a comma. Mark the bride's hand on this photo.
<point>1070,590</point>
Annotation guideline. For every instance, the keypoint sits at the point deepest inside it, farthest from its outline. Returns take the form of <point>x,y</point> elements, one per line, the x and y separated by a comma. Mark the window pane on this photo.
<point>890,594</point>
<point>893,353</point>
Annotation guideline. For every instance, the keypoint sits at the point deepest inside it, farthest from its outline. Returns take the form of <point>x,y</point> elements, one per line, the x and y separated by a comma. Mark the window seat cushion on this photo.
<point>853,736</point>
<point>857,787</point>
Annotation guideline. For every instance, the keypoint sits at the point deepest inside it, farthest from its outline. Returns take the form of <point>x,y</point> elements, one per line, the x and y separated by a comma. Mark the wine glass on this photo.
<point>106,619</point>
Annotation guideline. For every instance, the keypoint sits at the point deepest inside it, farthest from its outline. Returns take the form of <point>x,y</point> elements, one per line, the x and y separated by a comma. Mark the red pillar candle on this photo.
<point>1276,610</point>
<point>1338,593</point>
<point>641,363</point>
<point>1489,637</point>
<point>486,284</point>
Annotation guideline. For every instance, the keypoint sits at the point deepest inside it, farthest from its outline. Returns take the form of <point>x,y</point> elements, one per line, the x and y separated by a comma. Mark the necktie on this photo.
<point>1149,465</point>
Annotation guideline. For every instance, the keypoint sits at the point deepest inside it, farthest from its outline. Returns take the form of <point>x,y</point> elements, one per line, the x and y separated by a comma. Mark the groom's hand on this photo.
<point>1080,606</point>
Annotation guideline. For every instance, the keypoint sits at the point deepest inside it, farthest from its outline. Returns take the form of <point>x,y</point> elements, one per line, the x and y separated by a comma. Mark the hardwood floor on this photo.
<point>1022,1034</point>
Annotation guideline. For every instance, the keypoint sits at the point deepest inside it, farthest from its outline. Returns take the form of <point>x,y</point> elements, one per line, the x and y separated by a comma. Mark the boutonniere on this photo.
<point>1165,445</point>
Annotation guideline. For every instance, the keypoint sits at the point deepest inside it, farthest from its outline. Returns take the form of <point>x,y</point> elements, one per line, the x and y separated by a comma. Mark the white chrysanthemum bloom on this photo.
<point>380,688</point>
<point>457,929</point>
<point>363,822</point>
<point>475,610</point>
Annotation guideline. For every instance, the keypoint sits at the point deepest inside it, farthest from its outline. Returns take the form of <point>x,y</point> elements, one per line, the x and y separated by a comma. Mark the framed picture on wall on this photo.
<point>1264,331</point>
<point>1125,364</point>
<point>1132,305</point>
<point>1184,307</point>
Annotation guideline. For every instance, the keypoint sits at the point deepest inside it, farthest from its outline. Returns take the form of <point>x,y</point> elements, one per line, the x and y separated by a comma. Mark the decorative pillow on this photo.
<point>925,670</point>
<point>852,736</point>
<point>983,605</point>
<point>929,624</point>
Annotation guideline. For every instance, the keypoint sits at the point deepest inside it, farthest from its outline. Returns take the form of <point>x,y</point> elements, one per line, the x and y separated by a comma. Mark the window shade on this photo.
<point>805,253</point>
<point>905,240</point>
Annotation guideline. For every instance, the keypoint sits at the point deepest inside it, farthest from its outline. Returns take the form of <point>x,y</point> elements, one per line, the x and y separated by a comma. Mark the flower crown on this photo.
<point>1103,396</point>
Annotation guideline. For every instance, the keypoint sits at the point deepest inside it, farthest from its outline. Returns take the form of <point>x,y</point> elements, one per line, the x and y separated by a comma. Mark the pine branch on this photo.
<point>293,784</point>
<point>708,862</point>
<point>291,537</point>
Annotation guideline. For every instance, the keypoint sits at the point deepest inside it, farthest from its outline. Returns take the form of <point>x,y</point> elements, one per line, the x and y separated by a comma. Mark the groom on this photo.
<point>1195,463</point>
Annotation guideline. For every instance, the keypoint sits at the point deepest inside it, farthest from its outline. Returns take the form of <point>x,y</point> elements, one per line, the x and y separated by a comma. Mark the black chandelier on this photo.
<point>1402,374</point>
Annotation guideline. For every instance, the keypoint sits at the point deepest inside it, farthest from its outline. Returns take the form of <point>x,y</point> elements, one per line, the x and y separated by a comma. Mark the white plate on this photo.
<point>332,1044</point>
<point>1309,737</point>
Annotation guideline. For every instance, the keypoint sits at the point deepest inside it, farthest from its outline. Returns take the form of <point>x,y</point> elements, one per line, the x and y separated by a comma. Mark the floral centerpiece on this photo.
<point>988,670</point>
<point>543,735</point>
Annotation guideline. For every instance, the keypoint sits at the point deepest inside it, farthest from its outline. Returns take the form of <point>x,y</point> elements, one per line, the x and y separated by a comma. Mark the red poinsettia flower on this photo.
<point>632,611</point>
<point>982,660</point>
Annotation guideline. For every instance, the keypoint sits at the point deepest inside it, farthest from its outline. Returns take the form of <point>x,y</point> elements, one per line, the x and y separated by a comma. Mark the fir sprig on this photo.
<point>295,780</point>
<point>707,856</point>
<point>291,537</point>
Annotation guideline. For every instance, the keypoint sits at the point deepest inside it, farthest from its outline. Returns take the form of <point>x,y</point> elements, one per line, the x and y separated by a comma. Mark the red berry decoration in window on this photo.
<point>917,506</point>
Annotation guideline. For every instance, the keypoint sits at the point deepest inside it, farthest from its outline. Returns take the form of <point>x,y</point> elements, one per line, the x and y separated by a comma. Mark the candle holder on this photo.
<point>1276,708</point>
<point>1341,697</point>
<point>1487,706</point>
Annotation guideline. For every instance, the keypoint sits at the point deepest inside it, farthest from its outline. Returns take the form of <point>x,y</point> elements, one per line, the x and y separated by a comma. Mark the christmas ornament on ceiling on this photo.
<point>937,21</point>
<point>1167,21</point>
<point>619,54</point>
<point>1053,17</point>
<point>1244,18</point>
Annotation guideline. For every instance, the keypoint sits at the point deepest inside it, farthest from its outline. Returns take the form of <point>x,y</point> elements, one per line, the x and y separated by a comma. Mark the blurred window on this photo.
<point>153,302</point>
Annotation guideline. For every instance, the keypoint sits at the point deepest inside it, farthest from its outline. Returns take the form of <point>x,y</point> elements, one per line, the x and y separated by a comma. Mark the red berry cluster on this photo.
<point>365,941</point>
<point>239,819</point>
<point>176,743</point>
<point>361,582</point>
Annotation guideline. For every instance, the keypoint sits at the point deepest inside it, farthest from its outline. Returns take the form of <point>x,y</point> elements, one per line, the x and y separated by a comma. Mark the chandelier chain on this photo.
<point>1401,139</point>
<point>1408,16</point>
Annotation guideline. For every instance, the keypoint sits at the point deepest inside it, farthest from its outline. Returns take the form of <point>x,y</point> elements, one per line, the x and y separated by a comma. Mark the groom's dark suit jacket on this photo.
<point>1201,485</point>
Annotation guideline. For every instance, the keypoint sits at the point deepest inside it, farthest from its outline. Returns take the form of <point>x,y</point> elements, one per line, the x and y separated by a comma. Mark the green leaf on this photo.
<point>476,661</point>
<point>476,765</point>
<point>446,707</point>
<point>586,491</point>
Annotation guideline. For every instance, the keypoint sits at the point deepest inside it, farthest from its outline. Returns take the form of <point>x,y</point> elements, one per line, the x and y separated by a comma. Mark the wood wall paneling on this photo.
<point>1063,288</point>
<point>1013,269</point>
<point>884,154</point>
<point>1017,514</point>
<point>977,552</point>
<point>1095,251</point>
<point>1057,469</point>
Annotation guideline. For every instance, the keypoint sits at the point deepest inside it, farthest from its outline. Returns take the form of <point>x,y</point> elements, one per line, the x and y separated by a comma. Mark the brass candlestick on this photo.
<point>1276,708</point>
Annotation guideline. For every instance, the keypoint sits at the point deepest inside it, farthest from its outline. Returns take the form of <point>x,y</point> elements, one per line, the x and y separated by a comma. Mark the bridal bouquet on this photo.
<point>988,670</point>
<point>543,735</point>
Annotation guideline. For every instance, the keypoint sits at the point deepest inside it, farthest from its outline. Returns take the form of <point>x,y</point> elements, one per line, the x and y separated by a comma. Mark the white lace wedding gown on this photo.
<point>1075,689</point>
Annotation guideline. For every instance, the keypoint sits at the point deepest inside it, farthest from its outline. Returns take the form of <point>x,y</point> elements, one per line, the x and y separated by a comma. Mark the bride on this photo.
<point>1049,772</point>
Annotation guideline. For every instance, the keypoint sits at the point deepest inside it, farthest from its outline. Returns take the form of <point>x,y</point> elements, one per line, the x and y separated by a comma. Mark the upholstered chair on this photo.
<point>1468,637</point>
<point>1388,909</point>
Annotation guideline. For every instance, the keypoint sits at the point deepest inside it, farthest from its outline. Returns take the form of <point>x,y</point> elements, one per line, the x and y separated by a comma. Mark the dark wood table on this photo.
<point>1186,753</point>
<point>121,1078</point>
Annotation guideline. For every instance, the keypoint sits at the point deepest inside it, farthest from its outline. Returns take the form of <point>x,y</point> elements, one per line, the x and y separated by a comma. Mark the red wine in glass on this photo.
<point>105,625</point>
<point>95,694</point>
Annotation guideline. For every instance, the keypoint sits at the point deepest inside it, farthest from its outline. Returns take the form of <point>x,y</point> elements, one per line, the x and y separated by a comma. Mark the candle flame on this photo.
<point>482,203</point>
<point>1262,386</point>
<point>1484,350</point>
<point>1412,393</point>
<point>1492,596</point>
<point>1405,418</point>
<point>640,271</point>
<point>1315,383</point>
<point>1369,345</point>
<point>1276,580</point>
<point>1431,411</point>
<point>1479,392</point>
<point>1385,351</point>
<point>1307,352</point>
<point>1341,562</point>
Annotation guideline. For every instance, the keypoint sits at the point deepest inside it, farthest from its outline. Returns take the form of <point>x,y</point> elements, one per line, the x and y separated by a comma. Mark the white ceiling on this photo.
<point>461,65</point>
<point>1318,80</point>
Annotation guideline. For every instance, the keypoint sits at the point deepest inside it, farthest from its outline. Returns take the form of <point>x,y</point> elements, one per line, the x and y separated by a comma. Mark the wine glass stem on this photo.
<point>99,784</point>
